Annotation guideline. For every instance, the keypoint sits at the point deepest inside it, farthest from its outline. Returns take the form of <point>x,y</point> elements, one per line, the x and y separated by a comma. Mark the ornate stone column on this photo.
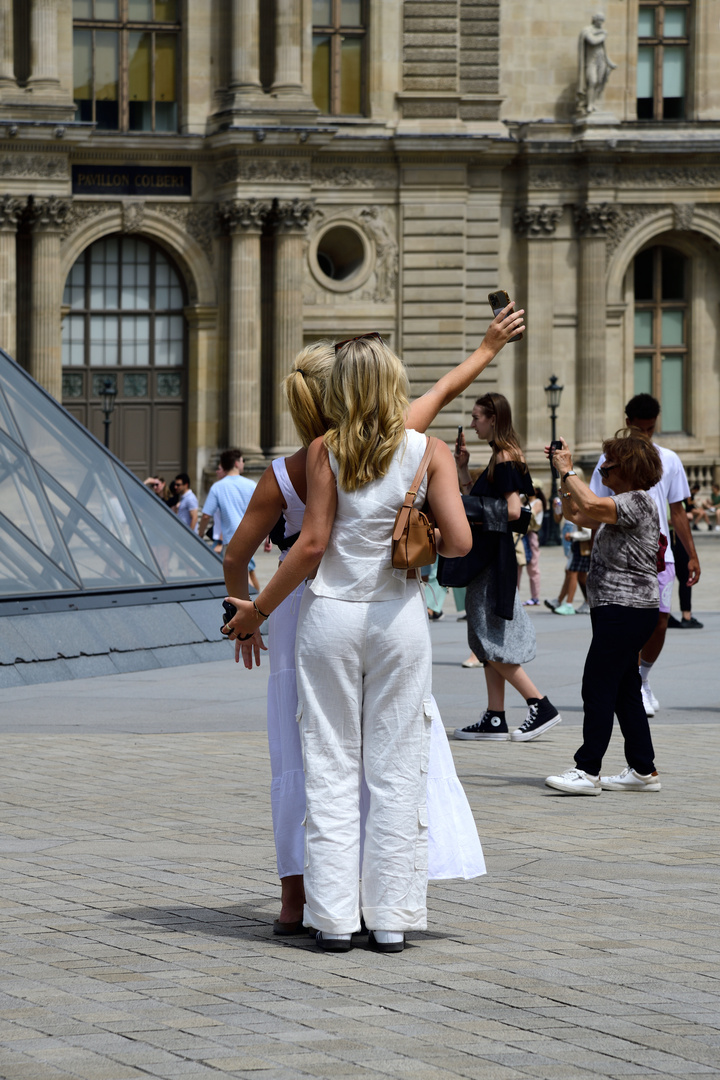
<point>538,225</point>
<point>290,221</point>
<point>10,210</point>
<point>592,224</point>
<point>202,387</point>
<point>244,220</point>
<point>288,37</point>
<point>48,217</point>
<point>7,52</point>
<point>245,49</point>
<point>43,45</point>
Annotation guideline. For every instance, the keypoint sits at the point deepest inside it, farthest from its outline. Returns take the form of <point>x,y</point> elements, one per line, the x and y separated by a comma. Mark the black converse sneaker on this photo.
<point>490,727</point>
<point>541,716</point>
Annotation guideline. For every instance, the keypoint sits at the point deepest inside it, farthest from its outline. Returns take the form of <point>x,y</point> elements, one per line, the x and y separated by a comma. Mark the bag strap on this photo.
<point>404,512</point>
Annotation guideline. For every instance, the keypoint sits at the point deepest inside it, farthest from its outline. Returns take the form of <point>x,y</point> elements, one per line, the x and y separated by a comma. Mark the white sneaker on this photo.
<point>651,697</point>
<point>584,608</point>
<point>575,782</point>
<point>647,700</point>
<point>629,780</point>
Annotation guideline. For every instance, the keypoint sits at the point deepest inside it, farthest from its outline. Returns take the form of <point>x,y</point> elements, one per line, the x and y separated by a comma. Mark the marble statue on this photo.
<point>594,65</point>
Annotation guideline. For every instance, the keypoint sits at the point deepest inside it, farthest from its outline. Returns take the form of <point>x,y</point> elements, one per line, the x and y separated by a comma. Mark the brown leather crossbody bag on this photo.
<point>413,537</point>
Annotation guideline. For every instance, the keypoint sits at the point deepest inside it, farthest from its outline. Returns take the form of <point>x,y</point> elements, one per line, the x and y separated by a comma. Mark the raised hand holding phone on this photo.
<point>498,302</point>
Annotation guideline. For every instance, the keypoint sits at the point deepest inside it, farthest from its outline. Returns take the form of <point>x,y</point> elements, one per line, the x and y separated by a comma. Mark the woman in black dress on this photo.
<point>500,633</point>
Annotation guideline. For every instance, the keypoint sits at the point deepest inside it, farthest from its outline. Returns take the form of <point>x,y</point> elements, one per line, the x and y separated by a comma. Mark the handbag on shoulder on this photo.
<point>413,536</point>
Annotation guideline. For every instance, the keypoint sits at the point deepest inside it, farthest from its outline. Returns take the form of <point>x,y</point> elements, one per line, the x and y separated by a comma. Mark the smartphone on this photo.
<point>229,611</point>
<point>554,445</point>
<point>457,441</point>
<point>499,300</point>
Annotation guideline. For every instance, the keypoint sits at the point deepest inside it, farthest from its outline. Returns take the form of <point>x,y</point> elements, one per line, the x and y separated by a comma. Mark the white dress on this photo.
<point>454,849</point>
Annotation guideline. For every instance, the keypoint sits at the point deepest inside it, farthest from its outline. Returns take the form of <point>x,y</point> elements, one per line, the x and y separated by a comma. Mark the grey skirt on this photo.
<point>491,638</point>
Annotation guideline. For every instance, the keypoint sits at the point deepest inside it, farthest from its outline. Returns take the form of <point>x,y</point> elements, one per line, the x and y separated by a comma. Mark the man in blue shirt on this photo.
<point>186,507</point>
<point>229,498</point>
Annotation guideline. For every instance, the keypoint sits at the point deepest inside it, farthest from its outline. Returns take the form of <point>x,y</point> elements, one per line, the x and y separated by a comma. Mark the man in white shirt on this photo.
<point>186,507</point>
<point>641,412</point>
<point>229,497</point>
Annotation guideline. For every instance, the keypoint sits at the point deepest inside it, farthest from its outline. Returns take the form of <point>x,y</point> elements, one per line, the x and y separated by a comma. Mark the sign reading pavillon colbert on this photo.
<point>131,180</point>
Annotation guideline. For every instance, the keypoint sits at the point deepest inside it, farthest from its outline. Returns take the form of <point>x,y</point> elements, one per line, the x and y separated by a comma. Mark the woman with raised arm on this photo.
<point>454,848</point>
<point>363,653</point>
<point>500,633</point>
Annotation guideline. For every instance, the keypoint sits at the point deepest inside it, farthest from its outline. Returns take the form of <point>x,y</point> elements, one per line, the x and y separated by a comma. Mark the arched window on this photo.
<point>662,332</point>
<point>123,308</point>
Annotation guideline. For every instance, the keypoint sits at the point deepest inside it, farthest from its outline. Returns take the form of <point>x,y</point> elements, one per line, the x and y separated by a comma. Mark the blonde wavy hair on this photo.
<point>305,386</point>
<point>366,402</point>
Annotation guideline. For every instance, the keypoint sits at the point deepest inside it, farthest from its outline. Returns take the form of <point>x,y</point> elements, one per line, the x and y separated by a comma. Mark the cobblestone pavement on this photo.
<point>138,892</point>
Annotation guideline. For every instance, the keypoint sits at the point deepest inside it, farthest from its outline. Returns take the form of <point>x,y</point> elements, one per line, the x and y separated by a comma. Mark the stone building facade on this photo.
<point>190,192</point>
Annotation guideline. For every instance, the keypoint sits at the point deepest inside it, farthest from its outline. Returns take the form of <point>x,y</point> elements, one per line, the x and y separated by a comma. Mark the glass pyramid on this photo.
<point>72,517</point>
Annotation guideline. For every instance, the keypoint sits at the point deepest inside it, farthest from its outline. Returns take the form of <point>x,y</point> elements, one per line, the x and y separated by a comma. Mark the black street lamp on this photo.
<point>553,392</point>
<point>108,394</point>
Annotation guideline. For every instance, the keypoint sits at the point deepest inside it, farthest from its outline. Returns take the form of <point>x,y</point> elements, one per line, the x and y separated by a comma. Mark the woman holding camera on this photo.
<point>500,633</point>
<point>624,602</point>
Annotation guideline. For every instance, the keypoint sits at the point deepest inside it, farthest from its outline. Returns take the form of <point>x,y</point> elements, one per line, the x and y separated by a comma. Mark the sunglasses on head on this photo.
<point>362,337</point>
<point>605,470</point>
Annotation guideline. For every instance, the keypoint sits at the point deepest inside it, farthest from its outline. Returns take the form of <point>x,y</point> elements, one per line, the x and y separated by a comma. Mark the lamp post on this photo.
<point>108,394</point>
<point>553,392</point>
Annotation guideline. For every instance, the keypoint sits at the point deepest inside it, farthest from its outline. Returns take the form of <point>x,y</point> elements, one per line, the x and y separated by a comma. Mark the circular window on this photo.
<point>341,257</point>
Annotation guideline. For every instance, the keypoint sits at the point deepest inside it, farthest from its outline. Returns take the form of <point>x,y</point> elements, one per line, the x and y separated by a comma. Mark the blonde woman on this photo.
<point>363,654</point>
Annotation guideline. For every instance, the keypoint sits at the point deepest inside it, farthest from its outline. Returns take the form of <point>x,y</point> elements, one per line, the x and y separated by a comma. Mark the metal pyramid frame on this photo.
<point>74,521</point>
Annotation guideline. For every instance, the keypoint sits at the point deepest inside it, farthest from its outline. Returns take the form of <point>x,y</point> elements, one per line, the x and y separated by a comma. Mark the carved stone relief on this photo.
<point>262,169</point>
<point>82,212</point>
<point>624,220</point>
<point>292,215</point>
<point>553,176</point>
<point>242,215</point>
<point>683,216</point>
<point>673,176</point>
<point>51,213</point>
<point>379,225</point>
<point>199,221</point>
<point>11,210</point>
<point>133,215</point>
<point>594,220</point>
<point>536,220</point>
<point>45,167</point>
<point>346,176</point>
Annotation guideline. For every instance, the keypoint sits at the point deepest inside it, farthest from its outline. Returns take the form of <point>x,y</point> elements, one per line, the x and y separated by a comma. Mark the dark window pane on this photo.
<point>644,275</point>
<point>673,108</point>
<point>83,111</point>
<point>645,110</point>
<point>321,72</point>
<point>107,115</point>
<point>673,275</point>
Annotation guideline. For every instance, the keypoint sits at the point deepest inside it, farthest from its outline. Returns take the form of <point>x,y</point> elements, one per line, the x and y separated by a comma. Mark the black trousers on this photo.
<point>611,685</point>
<point>681,572</point>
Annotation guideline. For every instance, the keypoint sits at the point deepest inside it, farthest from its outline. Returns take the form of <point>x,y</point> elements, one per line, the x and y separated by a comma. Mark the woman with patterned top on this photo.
<point>624,603</point>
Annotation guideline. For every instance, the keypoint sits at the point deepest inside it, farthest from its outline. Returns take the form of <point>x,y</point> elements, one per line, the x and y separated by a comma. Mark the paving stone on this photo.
<point>139,893</point>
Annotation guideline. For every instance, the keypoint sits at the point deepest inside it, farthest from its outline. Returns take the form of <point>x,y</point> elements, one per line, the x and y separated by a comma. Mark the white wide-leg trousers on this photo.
<point>364,683</point>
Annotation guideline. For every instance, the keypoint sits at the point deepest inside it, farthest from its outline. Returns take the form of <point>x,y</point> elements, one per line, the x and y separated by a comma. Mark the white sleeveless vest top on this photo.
<point>294,506</point>
<point>357,564</point>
